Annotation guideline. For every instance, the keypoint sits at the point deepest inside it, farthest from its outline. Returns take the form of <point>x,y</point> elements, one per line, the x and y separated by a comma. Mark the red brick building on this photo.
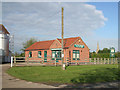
<point>74,49</point>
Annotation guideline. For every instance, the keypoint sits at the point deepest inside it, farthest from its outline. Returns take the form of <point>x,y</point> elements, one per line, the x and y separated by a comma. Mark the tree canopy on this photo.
<point>105,53</point>
<point>27,44</point>
<point>105,50</point>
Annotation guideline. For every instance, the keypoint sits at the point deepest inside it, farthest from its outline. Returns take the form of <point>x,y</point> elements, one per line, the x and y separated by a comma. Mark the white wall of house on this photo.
<point>4,43</point>
<point>4,47</point>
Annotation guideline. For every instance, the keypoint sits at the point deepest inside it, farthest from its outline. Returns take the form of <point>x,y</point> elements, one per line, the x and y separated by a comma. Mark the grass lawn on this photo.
<point>72,74</point>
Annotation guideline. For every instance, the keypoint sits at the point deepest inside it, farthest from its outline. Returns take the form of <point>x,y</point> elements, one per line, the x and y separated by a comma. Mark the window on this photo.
<point>53,54</point>
<point>56,54</point>
<point>39,54</point>
<point>76,55</point>
<point>30,54</point>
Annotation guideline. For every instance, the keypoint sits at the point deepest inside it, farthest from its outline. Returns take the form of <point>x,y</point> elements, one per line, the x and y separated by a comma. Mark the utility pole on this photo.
<point>62,53</point>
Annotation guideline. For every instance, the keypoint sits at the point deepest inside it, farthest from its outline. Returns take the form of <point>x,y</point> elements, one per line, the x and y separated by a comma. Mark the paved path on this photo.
<point>11,82</point>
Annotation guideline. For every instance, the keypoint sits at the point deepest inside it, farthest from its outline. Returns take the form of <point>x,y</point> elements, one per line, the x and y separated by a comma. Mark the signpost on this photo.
<point>112,53</point>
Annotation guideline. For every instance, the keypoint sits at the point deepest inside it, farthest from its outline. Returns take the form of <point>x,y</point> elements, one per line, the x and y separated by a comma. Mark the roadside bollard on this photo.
<point>11,61</point>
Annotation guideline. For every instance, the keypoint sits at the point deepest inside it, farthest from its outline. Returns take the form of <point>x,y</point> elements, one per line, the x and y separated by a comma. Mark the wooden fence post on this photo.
<point>112,60</point>
<point>76,60</point>
<point>89,60</point>
<point>108,62</point>
<point>67,62</point>
<point>101,61</point>
<point>14,61</point>
<point>42,60</point>
<point>116,61</point>
<point>94,60</point>
<point>55,61</point>
<point>104,60</point>
<point>27,61</point>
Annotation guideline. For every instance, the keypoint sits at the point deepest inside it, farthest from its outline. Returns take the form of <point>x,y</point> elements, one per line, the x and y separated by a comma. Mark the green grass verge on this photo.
<point>72,74</point>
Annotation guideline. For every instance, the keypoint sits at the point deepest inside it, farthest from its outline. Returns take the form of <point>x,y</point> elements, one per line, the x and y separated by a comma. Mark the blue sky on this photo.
<point>110,11</point>
<point>92,21</point>
<point>110,29</point>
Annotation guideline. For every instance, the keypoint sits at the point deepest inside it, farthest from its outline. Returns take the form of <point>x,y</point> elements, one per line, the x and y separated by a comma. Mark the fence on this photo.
<point>22,61</point>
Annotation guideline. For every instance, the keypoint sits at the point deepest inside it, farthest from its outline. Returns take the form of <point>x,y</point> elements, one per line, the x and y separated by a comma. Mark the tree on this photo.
<point>16,54</point>
<point>27,44</point>
<point>105,53</point>
<point>105,50</point>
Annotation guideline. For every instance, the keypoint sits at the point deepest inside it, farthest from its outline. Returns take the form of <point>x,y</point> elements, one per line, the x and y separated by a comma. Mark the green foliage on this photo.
<point>105,53</point>
<point>105,50</point>
<point>25,45</point>
<point>16,54</point>
<point>19,54</point>
<point>73,74</point>
<point>28,43</point>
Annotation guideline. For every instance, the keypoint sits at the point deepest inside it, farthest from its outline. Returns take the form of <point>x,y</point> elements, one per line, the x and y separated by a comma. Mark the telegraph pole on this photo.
<point>62,53</point>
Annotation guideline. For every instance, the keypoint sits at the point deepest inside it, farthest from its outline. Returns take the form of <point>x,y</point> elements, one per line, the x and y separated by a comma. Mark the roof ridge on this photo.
<point>46,44</point>
<point>69,37</point>
<point>45,40</point>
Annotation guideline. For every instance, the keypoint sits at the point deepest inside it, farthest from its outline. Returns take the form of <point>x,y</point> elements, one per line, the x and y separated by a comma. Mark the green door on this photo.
<point>45,56</point>
<point>58,56</point>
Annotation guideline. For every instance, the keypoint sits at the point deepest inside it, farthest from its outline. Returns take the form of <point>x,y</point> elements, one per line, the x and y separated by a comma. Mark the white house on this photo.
<point>4,45</point>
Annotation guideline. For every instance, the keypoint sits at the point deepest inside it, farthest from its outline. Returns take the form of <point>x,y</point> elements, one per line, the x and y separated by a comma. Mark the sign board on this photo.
<point>112,52</point>
<point>79,46</point>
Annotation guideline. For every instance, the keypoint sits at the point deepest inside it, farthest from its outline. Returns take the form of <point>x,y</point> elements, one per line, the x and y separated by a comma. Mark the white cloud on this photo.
<point>43,20</point>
